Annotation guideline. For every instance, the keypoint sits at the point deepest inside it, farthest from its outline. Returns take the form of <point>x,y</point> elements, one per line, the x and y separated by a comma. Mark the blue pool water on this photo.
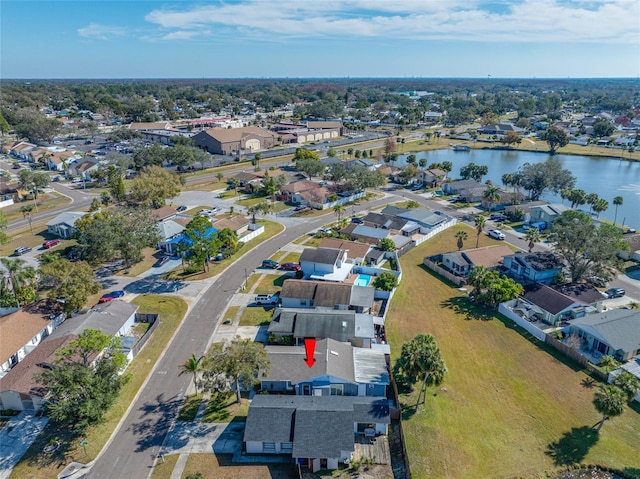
<point>362,280</point>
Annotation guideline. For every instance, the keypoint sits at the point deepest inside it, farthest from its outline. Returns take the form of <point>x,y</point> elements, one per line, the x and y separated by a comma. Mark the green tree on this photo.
<point>473,171</point>
<point>491,195</point>
<point>192,366</point>
<point>608,362</point>
<point>262,208</point>
<point>84,383</point>
<point>602,127</point>
<point>310,167</point>
<point>492,288</point>
<point>72,281</point>
<point>510,138</point>
<point>20,279</point>
<point>609,401</point>
<point>154,155</point>
<point>421,360</point>
<point>234,364</point>
<point>577,197</point>
<point>199,243</point>
<point>338,211</point>
<point>154,185</point>
<point>3,225</point>
<point>628,384</point>
<point>412,204</point>
<point>387,244</point>
<point>385,281</point>
<point>599,206</point>
<point>4,125</point>
<point>540,177</point>
<point>555,138</point>
<point>461,236</point>
<point>27,213</point>
<point>532,236</point>
<point>586,248</point>
<point>219,176</point>
<point>617,201</point>
<point>480,222</point>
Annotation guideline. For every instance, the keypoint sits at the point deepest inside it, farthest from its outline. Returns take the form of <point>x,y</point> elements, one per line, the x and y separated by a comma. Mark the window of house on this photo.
<point>303,302</point>
<point>337,389</point>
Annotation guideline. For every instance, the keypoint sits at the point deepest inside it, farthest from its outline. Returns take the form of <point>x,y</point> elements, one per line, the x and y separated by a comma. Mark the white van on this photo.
<point>266,299</point>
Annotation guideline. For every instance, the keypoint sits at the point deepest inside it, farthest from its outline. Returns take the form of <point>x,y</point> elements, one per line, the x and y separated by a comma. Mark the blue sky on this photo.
<point>320,38</point>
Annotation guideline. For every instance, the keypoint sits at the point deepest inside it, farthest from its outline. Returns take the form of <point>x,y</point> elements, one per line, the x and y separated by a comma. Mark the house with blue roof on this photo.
<point>171,246</point>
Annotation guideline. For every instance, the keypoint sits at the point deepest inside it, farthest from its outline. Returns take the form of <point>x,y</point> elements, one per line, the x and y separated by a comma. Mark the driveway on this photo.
<point>16,437</point>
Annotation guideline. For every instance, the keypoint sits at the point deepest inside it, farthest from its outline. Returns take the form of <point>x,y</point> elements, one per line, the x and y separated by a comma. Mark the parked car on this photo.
<point>539,225</point>
<point>496,234</point>
<point>161,261</point>
<point>106,299</point>
<point>598,281</point>
<point>76,180</point>
<point>498,216</point>
<point>266,299</point>
<point>21,250</point>
<point>290,266</point>
<point>111,296</point>
<point>50,243</point>
<point>269,263</point>
<point>357,220</point>
<point>615,293</point>
<point>181,208</point>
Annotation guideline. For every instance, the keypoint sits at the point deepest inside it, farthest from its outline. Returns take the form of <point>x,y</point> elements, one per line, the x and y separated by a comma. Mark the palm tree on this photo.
<point>617,201</point>
<point>591,200</point>
<point>480,223</point>
<point>17,275</point>
<point>491,195</point>
<point>608,363</point>
<point>422,162</point>
<point>192,366</point>
<point>628,383</point>
<point>339,211</point>
<point>461,236</point>
<point>599,206</point>
<point>532,236</point>
<point>235,182</point>
<point>609,401</point>
<point>26,213</point>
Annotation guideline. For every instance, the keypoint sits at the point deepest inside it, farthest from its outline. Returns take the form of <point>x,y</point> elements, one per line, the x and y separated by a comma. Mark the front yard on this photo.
<point>507,408</point>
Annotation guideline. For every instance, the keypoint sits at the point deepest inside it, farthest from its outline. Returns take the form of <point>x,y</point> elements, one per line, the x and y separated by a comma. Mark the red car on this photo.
<point>106,299</point>
<point>290,266</point>
<point>50,243</point>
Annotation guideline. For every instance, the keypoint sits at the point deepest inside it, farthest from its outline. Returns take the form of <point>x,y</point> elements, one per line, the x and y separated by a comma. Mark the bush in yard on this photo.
<point>386,281</point>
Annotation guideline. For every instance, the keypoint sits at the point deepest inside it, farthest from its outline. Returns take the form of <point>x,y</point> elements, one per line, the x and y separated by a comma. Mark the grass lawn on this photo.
<point>271,283</point>
<point>253,279</point>
<point>231,312</point>
<point>45,202</point>
<point>23,237</point>
<point>256,316</point>
<point>190,408</point>
<point>290,257</point>
<point>149,258</point>
<point>163,470</point>
<point>36,465</point>
<point>271,230</point>
<point>222,407</point>
<point>219,466</point>
<point>304,238</point>
<point>508,407</point>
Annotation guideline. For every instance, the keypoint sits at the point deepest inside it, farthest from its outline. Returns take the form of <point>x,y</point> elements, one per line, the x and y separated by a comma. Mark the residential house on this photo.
<point>338,369</point>
<point>234,141</point>
<point>356,252</point>
<point>157,125</point>
<point>63,225</point>
<point>375,257</point>
<point>505,198</point>
<point>462,263</point>
<point>297,293</point>
<point>525,207</point>
<point>292,191</point>
<point>385,221</point>
<point>366,234</point>
<point>615,332</point>
<point>83,168</point>
<point>171,246</point>
<point>317,431</point>
<point>547,213</point>
<point>238,224</point>
<point>432,177</point>
<point>553,304</point>
<point>168,230</point>
<point>634,247</point>
<point>22,331</point>
<point>422,216</point>
<point>535,267</point>
<point>500,129</point>
<point>470,190</point>
<point>165,213</point>
<point>326,264</point>
<point>22,150</point>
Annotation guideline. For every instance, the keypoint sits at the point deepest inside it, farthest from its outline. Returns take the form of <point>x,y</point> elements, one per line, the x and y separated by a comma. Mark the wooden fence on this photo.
<point>405,456</point>
<point>154,319</point>
<point>575,356</point>
<point>431,264</point>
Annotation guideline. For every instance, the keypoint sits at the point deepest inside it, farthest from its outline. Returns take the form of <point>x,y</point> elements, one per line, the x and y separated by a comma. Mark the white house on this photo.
<point>63,225</point>
<point>325,264</point>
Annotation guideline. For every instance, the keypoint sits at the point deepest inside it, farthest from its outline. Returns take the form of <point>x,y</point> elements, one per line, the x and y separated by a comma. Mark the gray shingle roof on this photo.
<point>385,221</point>
<point>584,292</point>
<point>321,255</point>
<point>619,328</point>
<point>322,426</point>
<point>107,317</point>
<point>328,294</point>
<point>68,218</point>
<point>547,298</point>
<point>370,232</point>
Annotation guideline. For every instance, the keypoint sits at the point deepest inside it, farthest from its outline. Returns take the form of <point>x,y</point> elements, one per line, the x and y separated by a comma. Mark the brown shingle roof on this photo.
<point>226,135</point>
<point>299,186</point>
<point>234,223</point>
<point>488,256</point>
<point>18,328</point>
<point>324,294</point>
<point>164,212</point>
<point>354,249</point>
<point>158,125</point>
<point>585,292</point>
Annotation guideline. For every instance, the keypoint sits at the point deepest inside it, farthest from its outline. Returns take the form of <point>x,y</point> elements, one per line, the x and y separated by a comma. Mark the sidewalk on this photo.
<point>16,437</point>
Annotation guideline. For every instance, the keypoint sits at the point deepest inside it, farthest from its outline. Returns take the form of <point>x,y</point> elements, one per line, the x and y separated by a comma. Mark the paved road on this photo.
<point>136,444</point>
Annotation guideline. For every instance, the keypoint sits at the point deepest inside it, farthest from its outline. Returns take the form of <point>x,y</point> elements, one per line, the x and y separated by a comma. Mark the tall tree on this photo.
<point>628,384</point>
<point>586,248</point>
<point>262,208</point>
<point>84,383</point>
<point>27,213</point>
<point>608,362</point>
<point>200,242</point>
<point>473,171</point>
<point>421,360</point>
<point>555,138</point>
<point>609,401</point>
<point>74,282</point>
<point>491,195</point>
<point>540,177</point>
<point>532,236</point>
<point>234,364</point>
<point>338,211</point>
<point>480,222</point>
<point>617,201</point>
<point>192,366</point>
<point>20,278</point>
<point>461,236</point>
<point>154,185</point>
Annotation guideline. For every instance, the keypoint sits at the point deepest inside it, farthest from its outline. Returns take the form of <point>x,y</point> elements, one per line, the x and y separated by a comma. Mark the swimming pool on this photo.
<point>362,280</point>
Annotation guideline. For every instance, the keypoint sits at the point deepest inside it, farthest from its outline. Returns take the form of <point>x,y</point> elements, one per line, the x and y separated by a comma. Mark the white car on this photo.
<point>496,234</point>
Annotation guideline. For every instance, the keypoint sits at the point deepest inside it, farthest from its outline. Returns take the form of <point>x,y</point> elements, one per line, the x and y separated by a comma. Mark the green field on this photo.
<point>508,407</point>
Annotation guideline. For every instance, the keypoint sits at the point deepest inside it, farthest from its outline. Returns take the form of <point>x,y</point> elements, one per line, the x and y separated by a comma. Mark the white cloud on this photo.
<point>181,35</point>
<point>100,32</point>
<point>540,21</point>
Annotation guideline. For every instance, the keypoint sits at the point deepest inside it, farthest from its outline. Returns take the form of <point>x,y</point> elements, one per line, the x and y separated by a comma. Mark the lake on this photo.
<point>607,177</point>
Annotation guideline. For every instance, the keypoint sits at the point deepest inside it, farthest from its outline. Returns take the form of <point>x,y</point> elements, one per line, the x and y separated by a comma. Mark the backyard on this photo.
<point>508,407</point>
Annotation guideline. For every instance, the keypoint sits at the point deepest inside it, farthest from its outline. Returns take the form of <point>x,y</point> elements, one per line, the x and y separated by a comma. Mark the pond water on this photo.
<point>607,177</point>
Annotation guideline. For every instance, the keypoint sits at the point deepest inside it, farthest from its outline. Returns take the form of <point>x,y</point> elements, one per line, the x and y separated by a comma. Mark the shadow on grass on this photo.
<point>463,306</point>
<point>279,281</point>
<point>65,453</point>
<point>573,446</point>
<point>190,408</point>
<point>442,279</point>
<point>631,472</point>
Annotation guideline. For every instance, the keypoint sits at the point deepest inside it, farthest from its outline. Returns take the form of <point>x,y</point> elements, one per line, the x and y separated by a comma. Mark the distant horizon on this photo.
<point>222,39</point>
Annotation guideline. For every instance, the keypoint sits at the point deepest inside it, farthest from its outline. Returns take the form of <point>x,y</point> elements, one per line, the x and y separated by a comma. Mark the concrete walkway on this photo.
<point>16,437</point>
